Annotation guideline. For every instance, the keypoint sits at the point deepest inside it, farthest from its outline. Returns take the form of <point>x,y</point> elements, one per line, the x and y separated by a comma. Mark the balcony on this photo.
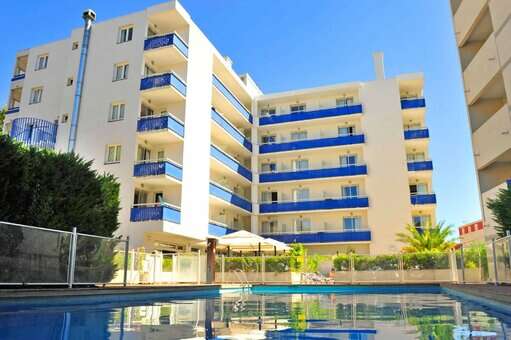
<point>229,197</point>
<point>18,77</point>
<point>295,175</point>
<point>219,229</point>
<point>231,130</point>
<point>166,40</point>
<point>230,162</point>
<point>231,98</point>
<point>307,115</point>
<point>417,133</point>
<point>163,88</point>
<point>14,109</point>
<point>311,144</point>
<point>161,170</point>
<point>415,103</point>
<point>34,132</point>
<point>322,204</point>
<point>420,166</point>
<point>155,212</point>
<point>423,199</point>
<point>323,236</point>
<point>161,129</point>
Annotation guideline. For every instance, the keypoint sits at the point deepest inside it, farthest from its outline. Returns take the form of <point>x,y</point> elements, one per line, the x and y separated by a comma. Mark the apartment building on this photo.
<point>483,35</point>
<point>200,151</point>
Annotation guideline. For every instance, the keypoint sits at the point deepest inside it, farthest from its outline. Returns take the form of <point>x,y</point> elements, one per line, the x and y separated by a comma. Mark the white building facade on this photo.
<point>200,151</point>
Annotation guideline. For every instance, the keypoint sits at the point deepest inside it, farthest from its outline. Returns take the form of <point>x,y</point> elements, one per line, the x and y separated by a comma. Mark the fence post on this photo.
<point>126,256</point>
<point>454,266</point>
<point>198,267</point>
<point>401,269</point>
<point>223,268</point>
<point>462,258</point>
<point>494,254</point>
<point>263,268</point>
<point>352,268</point>
<point>71,265</point>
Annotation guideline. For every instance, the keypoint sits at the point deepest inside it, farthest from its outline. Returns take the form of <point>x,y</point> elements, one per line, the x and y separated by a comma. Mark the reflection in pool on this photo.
<point>262,316</point>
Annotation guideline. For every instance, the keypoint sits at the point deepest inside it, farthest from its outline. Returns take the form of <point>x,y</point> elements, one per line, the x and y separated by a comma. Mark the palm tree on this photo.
<point>427,239</point>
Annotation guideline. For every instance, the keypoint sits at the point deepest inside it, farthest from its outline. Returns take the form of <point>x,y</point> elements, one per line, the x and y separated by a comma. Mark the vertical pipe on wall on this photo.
<point>89,16</point>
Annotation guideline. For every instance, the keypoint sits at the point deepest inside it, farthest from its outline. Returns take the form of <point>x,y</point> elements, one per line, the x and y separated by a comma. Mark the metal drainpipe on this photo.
<point>89,16</point>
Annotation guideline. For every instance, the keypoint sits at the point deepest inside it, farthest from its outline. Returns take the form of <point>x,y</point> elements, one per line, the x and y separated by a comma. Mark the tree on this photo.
<point>428,239</point>
<point>2,117</point>
<point>500,206</point>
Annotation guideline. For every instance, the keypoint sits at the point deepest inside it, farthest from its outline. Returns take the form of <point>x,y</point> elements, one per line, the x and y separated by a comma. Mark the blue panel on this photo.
<point>219,230</point>
<point>230,162</point>
<point>158,168</point>
<point>311,144</point>
<point>420,166</point>
<point>166,40</point>
<point>160,123</point>
<point>326,204</point>
<point>412,103</point>
<point>18,77</point>
<point>155,213</point>
<point>230,197</point>
<point>415,134</point>
<point>508,183</point>
<point>306,115</point>
<point>324,237</point>
<point>34,132</point>
<point>162,80</point>
<point>232,98</point>
<point>12,110</point>
<point>423,199</point>
<point>227,126</point>
<point>350,170</point>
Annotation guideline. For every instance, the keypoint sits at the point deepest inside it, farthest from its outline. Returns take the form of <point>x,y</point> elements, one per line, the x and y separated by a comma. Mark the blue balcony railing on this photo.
<point>230,129</point>
<point>163,80</point>
<point>324,237</point>
<point>219,230</point>
<point>325,204</point>
<point>166,40</point>
<point>351,170</point>
<point>158,168</point>
<point>18,77</point>
<point>15,109</point>
<point>423,199</point>
<point>417,133</point>
<point>508,182</point>
<point>311,143</point>
<point>232,98</point>
<point>413,103</point>
<point>154,123</point>
<point>306,115</point>
<point>420,165</point>
<point>35,132</point>
<point>230,162</point>
<point>155,212</point>
<point>228,196</point>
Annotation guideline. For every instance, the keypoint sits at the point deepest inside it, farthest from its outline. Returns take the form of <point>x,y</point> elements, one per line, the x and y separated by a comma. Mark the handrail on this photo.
<point>159,160</point>
<point>162,115</point>
<point>156,204</point>
<point>229,190</point>
<point>168,33</point>
<point>308,169</point>
<point>313,199</point>
<point>319,109</point>
<point>312,139</point>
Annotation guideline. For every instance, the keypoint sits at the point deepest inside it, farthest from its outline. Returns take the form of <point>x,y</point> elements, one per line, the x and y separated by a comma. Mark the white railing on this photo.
<point>158,160</point>
<point>162,114</point>
<point>156,204</point>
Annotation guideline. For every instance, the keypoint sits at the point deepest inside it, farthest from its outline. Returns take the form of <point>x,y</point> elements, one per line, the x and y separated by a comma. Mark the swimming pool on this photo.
<point>266,312</point>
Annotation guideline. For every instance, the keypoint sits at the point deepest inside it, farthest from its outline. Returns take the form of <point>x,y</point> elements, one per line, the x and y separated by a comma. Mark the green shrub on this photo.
<point>167,263</point>
<point>277,264</point>
<point>373,263</point>
<point>426,260</point>
<point>342,262</point>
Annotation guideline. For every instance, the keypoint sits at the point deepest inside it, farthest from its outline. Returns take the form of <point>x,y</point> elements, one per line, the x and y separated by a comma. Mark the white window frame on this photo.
<point>302,224</point>
<point>343,160</point>
<point>36,95</point>
<point>344,101</point>
<point>121,71</point>
<point>41,62</point>
<point>350,195</point>
<point>274,137</point>
<point>295,108</point>
<point>413,157</point>
<point>117,111</point>
<point>299,135</point>
<point>125,34</point>
<point>116,153</point>
<point>353,129</point>
<point>271,111</point>
<point>357,223</point>
<point>267,167</point>
<point>300,196</point>
<point>300,164</point>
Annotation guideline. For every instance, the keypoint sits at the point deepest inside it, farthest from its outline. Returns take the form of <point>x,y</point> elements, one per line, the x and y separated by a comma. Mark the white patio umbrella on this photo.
<point>244,240</point>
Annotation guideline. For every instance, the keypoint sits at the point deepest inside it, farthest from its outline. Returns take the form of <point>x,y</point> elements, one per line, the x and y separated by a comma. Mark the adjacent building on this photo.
<point>200,151</point>
<point>483,35</point>
<point>472,233</point>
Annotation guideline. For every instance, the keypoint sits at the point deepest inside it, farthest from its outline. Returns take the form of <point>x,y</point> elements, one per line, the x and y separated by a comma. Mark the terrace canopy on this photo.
<point>246,241</point>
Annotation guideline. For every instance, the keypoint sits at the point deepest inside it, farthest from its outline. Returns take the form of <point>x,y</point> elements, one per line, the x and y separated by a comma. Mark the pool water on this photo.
<point>264,313</point>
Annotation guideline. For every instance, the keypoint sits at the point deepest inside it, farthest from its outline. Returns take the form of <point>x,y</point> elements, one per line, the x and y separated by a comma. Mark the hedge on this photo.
<point>391,262</point>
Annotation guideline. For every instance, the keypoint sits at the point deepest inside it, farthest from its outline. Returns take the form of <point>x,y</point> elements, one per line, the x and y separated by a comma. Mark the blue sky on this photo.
<point>290,44</point>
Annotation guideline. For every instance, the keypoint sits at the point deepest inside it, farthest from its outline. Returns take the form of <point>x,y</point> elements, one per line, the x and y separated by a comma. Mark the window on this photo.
<point>347,160</point>
<point>297,108</point>
<point>269,139</point>
<point>269,226</point>
<point>346,130</point>
<point>158,197</point>
<point>125,34</point>
<point>270,196</point>
<point>140,197</point>
<point>161,155</point>
<point>344,101</point>
<point>69,81</point>
<point>351,222</point>
<point>416,157</point>
<point>143,154</point>
<point>41,62</point>
<point>75,45</point>
<point>302,224</point>
<point>36,95</point>
<point>148,70</point>
<point>349,191</point>
<point>300,164</point>
<point>116,112</point>
<point>299,135</point>
<point>268,167</point>
<point>121,71</point>
<point>418,189</point>
<point>301,194</point>
<point>146,111</point>
<point>113,153</point>
<point>268,112</point>
<point>420,221</point>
